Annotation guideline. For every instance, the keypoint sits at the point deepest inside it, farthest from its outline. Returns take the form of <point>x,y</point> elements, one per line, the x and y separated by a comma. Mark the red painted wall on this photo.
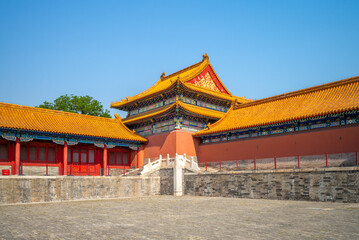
<point>312,142</point>
<point>177,141</point>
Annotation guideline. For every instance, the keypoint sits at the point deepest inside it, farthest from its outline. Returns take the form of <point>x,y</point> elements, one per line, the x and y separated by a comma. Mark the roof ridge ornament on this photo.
<point>205,57</point>
<point>117,116</point>
<point>163,75</point>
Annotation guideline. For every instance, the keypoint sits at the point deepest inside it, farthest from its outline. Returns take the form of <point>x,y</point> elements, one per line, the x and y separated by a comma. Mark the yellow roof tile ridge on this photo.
<point>220,81</point>
<point>129,99</point>
<point>216,123</point>
<point>300,92</point>
<point>186,106</point>
<point>118,118</point>
<point>244,99</point>
<point>185,69</point>
<point>194,74</point>
<point>163,78</point>
<point>147,112</point>
<point>47,118</point>
<point>57,112</point>
<point>208,91</point>
<point>149,115</point>
<point>169,107</point>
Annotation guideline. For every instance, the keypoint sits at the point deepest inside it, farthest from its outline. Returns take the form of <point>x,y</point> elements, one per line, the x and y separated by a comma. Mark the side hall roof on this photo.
<point>14,116</point>
<point>200,111</point>
<point>331,98</point>
<point>184,76</point>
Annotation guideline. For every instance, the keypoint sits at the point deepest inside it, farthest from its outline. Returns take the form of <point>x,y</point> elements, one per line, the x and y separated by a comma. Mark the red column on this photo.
<point>17,156</point>
<point>138,160</point>
<point>326,160</point>
<point>65,158</point>
<point>105,160</point>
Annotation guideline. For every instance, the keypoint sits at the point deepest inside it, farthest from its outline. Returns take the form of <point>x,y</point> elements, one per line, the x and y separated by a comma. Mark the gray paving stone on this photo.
<point>166,217</point>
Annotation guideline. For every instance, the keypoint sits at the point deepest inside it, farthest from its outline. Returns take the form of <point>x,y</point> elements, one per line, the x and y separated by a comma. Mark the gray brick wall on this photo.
<point>330,184</point>
<point>27,189</point>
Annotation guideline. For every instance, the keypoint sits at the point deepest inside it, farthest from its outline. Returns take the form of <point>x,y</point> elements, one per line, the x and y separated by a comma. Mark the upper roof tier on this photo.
<point>44,120</point>
<point>331,98</point>
<point>199,77</point>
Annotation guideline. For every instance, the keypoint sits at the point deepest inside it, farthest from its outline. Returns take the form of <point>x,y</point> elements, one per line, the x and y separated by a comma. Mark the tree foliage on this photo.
<point>77,104</point>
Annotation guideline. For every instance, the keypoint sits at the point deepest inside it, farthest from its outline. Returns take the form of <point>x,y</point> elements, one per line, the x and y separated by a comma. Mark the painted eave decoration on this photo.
<point>199,77</point>
<point>19,117</point>
<point>331,98</point>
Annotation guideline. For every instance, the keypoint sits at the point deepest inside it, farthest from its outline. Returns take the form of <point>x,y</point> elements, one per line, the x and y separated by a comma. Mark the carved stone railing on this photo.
<point>168,162</point>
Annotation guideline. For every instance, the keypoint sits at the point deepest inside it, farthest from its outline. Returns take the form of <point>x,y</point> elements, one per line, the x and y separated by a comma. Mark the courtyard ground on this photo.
<point>166,217</point>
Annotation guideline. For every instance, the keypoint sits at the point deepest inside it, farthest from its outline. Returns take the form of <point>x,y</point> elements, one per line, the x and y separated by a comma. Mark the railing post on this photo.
<point>160,160</point>
<point>255,164</point>
<point>298,161</point>
<point>275,162</point>
<point>177,178</point>
<point>168,160</point>
<point>47,169</point>
<point>124,171</point>
<point>149,164</point>
<point>237,164</point>
<point>326,159</point>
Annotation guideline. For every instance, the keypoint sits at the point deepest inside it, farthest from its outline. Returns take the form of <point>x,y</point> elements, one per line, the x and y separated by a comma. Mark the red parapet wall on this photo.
<point>173,142</point>
<point>312,142</point>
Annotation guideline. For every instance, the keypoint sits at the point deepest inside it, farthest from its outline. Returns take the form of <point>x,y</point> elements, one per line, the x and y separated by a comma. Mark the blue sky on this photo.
<point>113,49</point>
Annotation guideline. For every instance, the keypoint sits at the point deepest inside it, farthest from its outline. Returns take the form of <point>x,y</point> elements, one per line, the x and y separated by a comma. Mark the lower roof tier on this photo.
<point>337,97</point>
<point>17,117</point>
<point>176,106</point>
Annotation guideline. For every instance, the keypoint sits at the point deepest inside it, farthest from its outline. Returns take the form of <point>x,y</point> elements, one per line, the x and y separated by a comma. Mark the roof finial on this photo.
<point>205,56</point>
<point>163,75</point>
<point>118,116</point>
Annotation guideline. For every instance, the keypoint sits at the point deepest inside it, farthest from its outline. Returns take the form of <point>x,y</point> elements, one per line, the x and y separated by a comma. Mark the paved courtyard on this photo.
<point>180,218</point>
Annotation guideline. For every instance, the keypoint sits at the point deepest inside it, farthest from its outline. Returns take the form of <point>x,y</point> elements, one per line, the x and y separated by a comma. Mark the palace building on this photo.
<point>41,141</point>
<point>187,112</point>
<point>177,106</point>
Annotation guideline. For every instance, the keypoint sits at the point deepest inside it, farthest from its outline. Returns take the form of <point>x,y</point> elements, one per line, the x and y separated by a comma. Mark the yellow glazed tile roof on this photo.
<point>331,98</point>
<point>45,120</point>
<point>148,114</point>
<point>216,94</point>
<point>185,106</point>
<point>201,111</point>
<point>183,75</point>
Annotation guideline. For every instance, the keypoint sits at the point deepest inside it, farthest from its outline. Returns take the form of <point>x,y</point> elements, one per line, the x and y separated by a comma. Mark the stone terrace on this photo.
<point>166,217</point>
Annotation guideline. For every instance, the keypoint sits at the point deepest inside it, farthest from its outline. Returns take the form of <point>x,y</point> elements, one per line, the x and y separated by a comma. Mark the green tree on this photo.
<point>77,104</point>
